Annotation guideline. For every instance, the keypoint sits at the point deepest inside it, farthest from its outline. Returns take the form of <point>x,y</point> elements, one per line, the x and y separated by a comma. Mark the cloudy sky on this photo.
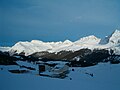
<point>55,20</point>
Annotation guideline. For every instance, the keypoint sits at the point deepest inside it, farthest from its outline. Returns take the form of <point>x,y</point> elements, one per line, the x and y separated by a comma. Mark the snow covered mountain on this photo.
<point>38,46</point>
<point>114,38</point>
<point>86,51</point>
<point>90,42</point>
<point>112,42</point>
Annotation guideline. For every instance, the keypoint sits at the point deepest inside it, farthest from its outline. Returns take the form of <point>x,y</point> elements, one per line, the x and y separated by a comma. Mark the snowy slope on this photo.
<point>88,40</point>
<point>30,47</point>
<point>91,42</point>
<point>38,46</point>
<point>105,77</point>
<point>4,49</point>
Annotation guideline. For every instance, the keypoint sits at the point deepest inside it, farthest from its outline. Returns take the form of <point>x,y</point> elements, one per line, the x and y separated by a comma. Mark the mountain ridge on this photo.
<point>90,42</point>
<point>87,51</point>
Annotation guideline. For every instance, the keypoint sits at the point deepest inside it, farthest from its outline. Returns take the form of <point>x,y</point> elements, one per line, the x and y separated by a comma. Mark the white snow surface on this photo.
<point>90,42</point>
<point>105,77</point>
<point>4,49</point>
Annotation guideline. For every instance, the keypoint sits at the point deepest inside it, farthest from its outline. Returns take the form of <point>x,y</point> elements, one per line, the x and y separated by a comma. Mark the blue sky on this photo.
<point>55,20</point>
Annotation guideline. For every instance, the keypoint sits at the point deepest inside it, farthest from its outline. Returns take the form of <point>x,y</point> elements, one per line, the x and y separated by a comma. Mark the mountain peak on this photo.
<point>116,34</point>
<point>116,31</point>
<point>89,40</point>
<point>114,38</point>
<point>91,37</point>
<point>36,41</point>
<point>67,42</point>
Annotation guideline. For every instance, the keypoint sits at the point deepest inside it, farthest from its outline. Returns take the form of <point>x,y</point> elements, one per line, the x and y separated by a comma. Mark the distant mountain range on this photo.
<point>86,50</point>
